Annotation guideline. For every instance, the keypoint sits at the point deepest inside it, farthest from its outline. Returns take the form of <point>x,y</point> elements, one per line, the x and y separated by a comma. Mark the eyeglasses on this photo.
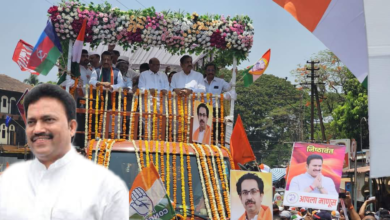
<point>252,192</point>
<point>202,115</point>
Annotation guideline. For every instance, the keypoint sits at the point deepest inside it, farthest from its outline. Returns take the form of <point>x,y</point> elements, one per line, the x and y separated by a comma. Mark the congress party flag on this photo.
<point>77,50</point>
<point>148,197</point>
<point>252,73</point>
<point>314,176</point>
<point>46,52</point>
<point>340,25</point>
<point>22,55</point>
<point>240,147</point>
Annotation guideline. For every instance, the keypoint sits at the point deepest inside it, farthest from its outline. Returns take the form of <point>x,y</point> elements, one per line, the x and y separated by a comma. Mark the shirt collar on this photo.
<point>206,81</point>
<point>70,155</point>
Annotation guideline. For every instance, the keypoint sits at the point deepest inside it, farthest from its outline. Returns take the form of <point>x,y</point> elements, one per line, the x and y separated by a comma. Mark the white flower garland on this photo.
<point>189,117</point>
<point>224,174</point>
<point>140,115</point>
<point>86,115</point>
<point>216,179</point>
<point>137,155</point>
<point>166,118</point>
<point>216,113</point>
<point>149,116</point>
<point>208,174</point>
<point>109,151</point>
<point>131,114</point>
<point>105,115</point>
<point>97,150</point>
<point>205,196</point>
<point>174,117</point>
<point>119,112</point>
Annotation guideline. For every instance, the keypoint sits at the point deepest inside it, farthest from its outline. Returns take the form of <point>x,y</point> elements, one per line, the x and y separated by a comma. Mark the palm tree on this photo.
<point>32,80</point>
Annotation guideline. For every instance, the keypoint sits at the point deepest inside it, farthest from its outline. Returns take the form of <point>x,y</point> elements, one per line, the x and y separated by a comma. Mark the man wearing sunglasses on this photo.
<point>250,188</point>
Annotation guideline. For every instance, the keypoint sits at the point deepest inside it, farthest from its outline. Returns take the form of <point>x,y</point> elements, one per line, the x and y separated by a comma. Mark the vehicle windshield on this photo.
<point>124,164</point>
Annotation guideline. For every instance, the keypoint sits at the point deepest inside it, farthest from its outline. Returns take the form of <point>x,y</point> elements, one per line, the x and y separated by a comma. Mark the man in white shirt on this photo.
<point>112,81</point>
<point>153,79</point>
<point>216,85</point>
<point>313,181</point>
<point>85,71</point>
<point>123,66</point>
<point>94,59</point>
<point>59,183</point>
<point>187,81</point>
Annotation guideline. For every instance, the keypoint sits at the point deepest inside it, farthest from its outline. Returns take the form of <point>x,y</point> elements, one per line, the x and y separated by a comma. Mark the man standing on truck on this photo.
<point>59,183</point>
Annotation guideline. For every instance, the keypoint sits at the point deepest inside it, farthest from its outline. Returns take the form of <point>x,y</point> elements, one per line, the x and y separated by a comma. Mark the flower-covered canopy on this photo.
<point>177,32</point>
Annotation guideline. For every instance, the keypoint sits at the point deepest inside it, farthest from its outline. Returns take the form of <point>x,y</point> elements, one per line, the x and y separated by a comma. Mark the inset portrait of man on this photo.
<point>313,181</point>
<point>250,189</point>
<point>202,123</point>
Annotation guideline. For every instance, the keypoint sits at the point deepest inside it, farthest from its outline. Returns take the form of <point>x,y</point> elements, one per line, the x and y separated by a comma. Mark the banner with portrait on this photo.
<point>250,195</point>
<point>203,120</point>
<point>315,176</point>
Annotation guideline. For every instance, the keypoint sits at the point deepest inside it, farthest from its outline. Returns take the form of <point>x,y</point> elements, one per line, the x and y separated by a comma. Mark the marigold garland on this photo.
<point>102,150</point>
<point>74,87</point>
<point>214,180</point>
<point>90,113</point>
<point>183,186</point>
<point>210,98</point>
<point>190,190</point>
<point>230,157</point>
<point>202,97</point>
<point>162,162</point>
<point>166,118</point>
<point>200,170</point>
<point>113,97</point>
<point>97,111</point>
<point>168,170</point>
<point>180,128</point>
<point>161,116</point>
<point>140,116</point>
<point>154,117</point>
<point>105,115</point>
<point>137,155</point>
<point>156,152</point>
<point>222,124</point>
<point>124,113</point>
<point>149,119</point>
<point>174,117</point>
<point>174,175</point>
<point>119,112</point>
<point>90,149</point>
<point>223,178</point>
<point>209,185</point>
<point>86,134</point>
<point>107,156</point>
<point>147,154</point>
<point>217,121</point>
<point>185,103</point>
<point>170,116</point>
<point>188,119</point>
<point>101,110</point>
<point>134,104</point>
<point>141,155</point>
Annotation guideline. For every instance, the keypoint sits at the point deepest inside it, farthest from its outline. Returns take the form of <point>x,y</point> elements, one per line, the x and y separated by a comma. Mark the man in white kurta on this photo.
<point>313,181</point>
<point>153,79</point>
<point>187,81</point>
<point>59,183</point>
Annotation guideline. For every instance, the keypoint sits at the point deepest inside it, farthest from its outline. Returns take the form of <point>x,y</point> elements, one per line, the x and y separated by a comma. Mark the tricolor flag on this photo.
<point>77,50</point>
<point>46,52</point>
<point>22,55</point>
<point>148,197</point>
<point>252,73</point>
<point>240,147</point>
<point>340,25</point>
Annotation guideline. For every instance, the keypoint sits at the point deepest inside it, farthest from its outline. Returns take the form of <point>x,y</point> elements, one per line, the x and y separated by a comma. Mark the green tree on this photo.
<point>32,80</point>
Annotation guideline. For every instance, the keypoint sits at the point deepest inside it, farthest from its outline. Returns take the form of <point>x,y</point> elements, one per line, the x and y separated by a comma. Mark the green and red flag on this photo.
<point>148,197</point>
<point>253,72</point>
<point>46,52</point>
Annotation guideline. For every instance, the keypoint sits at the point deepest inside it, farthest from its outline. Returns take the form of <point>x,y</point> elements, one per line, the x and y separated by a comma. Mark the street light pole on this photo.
<point>361,148</point>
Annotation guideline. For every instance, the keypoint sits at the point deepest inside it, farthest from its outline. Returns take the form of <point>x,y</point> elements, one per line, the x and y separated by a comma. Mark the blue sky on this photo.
<point>291,44</point>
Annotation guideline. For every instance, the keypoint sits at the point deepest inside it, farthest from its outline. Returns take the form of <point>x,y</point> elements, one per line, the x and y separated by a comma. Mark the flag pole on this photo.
<point>69,62</point>
<point>230,122</point>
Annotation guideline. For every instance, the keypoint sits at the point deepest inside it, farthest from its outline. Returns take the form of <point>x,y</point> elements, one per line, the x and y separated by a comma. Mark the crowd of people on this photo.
<point>287,213</point>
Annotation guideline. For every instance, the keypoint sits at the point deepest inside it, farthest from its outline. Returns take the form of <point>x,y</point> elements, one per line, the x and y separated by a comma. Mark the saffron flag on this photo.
<point>7,120</point>
<point>252,73</point>
<point>240,147</point>
<point>340,25</point>
<point>20,106</point>
<point>148,197</point>
<point>22,55</point>
<point>46,52</point>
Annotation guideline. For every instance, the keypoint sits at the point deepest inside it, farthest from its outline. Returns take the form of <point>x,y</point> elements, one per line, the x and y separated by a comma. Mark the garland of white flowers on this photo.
<point>224,174</point>
<point>133,97</point>
<point>119,112</point>
<point>97,150</point>
<point>140,115</point>
<point>166,118</point>
<point>105,115</point>
<point>208,174</point>
<point>205,196</point>
<point>189,117</point>
<point>108,150</point>
<point>174,116</point>
<point>217,125</point>
<point>137,155</point>
<point>216,179</point>
<point>149,117</point>
<point>86,115</point>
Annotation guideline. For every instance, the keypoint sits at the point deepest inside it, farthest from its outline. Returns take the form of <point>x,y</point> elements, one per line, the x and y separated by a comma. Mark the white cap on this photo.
<point>93,53</point>
<point>124,58</point>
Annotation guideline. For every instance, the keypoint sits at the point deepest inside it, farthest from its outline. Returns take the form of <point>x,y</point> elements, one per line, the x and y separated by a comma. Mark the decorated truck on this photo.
<point>126,130</point>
